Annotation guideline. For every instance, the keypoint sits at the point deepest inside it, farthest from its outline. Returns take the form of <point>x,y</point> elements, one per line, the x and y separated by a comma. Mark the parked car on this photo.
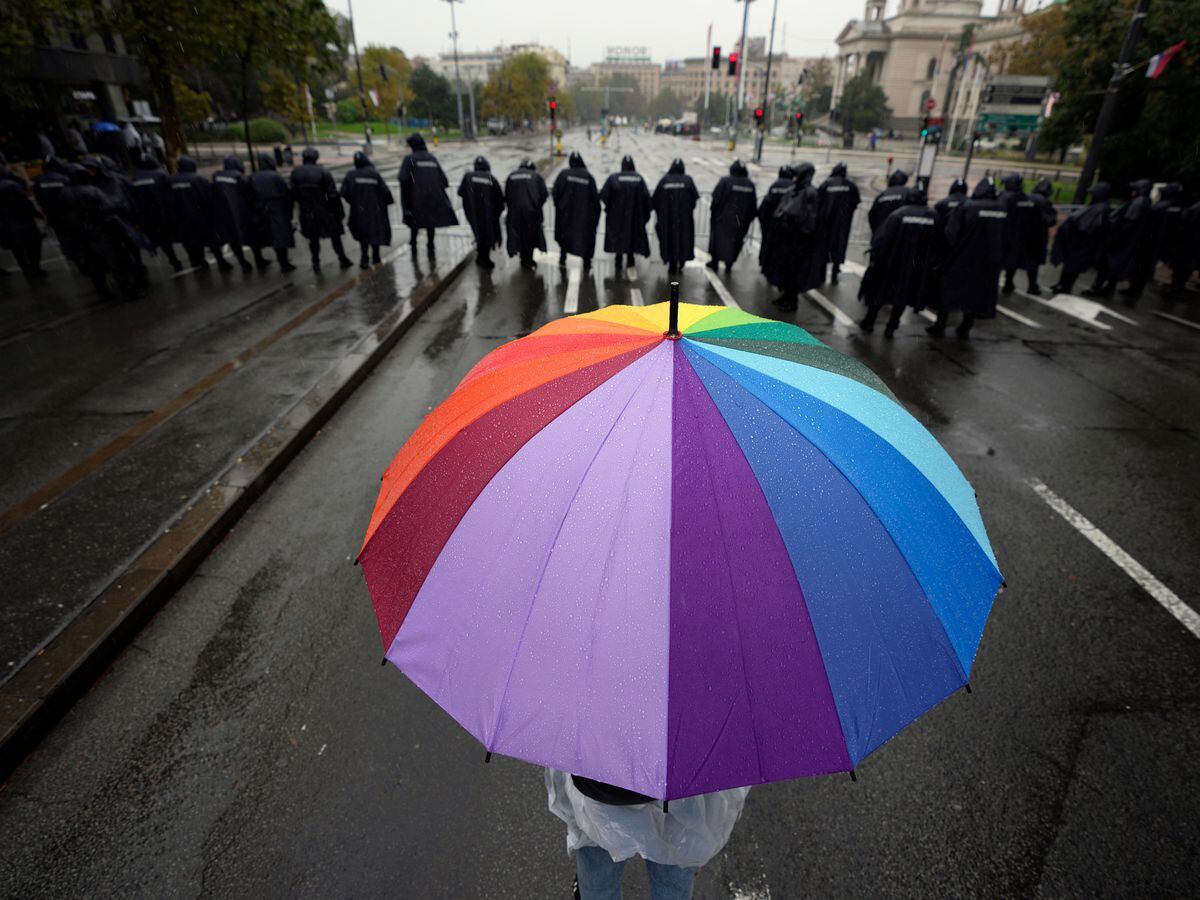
<point>497,126</point>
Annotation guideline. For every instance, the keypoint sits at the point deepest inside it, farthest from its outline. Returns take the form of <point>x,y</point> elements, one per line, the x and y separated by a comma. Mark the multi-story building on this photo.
<point>687,78</point>
<point>634,62</point>
<point>477,66</point>
<point>910,53</point>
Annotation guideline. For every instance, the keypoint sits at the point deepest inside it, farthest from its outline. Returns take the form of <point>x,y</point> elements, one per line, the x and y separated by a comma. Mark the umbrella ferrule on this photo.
<point>673,322</point>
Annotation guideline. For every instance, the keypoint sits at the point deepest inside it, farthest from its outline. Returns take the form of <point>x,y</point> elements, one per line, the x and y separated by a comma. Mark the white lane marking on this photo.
<point>631,273</point>
<point>853,268</point>
<point>571,305</point>
<point>636,296</point>
<point>719,287</point>
<point>1016,316</point>
<point>820,299</point>
<point>1177,320</point>
<point>1080,308</point>
<point>701,255</point>
<point>926,314</point>
<point>1167,598</point>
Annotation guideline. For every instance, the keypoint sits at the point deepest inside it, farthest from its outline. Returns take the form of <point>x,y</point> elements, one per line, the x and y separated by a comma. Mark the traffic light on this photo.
<point>925,127</point>
<point>733,61</point>
<point>716,60</point>
<point>758,116</point>
<point>799,119</point>
<point>553,110</point>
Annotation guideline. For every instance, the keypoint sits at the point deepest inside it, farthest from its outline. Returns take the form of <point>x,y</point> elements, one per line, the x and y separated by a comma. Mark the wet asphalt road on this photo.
<point>249,743</point>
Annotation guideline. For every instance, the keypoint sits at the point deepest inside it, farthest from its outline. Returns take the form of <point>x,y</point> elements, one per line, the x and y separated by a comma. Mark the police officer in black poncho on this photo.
<point>953,199</point>
<point>903,252</point>
<point>576,211</point>
<point>1124,244</point>
<point>50,191</point>
<point>1149,248</point>
<point>104,238</point>
<point>368,196</point>
<point>798,265</point>
<point>626,202</point>
<point>273,210</point>
<point>19,229</point>
<point>673,202</point>
<point>1079,241</point>
<point>1037,234</point>
<point>482,202</point>
<point>769,245</point>
<point>423,200</point>
<point>525,194</point>
<point>734,206</point>
<point>839,198</point>
<point>151,188</point>
<point>1020,220</point>
<point>233,213</point>
<point>1169,237</point>
<point>320,208</point>
<point>888,200</point>
<point>971,258</point>
<point>192,209</point>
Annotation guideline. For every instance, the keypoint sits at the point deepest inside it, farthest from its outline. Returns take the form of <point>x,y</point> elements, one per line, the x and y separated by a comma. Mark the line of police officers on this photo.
<point>104,220</point>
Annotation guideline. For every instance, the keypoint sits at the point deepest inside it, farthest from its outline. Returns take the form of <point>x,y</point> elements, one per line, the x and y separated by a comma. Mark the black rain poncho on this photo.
<point>191,205</point>
<point>233,205</point>
<point>423,184</point>
<point>1079,241</point>
<point>272,205</point>
<point>482,202</point>
<point>903,252</point>
<point>316,195</point>
<point>626,202</point>
<point>368,196</point>
<point>525,194</point>
<point>673,202</point>
<point>576,209</point>
<point>839,198</point>
<point>973,254</point>
<point>734,206</point>
<point>888,200</point>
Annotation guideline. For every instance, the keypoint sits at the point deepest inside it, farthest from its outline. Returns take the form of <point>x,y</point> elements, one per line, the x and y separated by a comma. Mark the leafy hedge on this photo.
<point>262,131</point>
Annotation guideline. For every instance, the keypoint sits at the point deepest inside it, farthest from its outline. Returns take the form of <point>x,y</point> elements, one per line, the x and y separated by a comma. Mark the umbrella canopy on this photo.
<point>678,562</point>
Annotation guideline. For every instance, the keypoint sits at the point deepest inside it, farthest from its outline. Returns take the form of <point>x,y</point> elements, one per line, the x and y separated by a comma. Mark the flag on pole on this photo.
<point>1158,62</point>
<point>374,95</point>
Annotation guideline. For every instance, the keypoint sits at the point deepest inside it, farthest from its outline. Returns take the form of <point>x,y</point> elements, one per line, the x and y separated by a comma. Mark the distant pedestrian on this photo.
<point>972,256</point>
<point>674,201</point>
<point>1125,245</point>
<point>626,202</point>
<point>770,243</point>
<point>483,201</point>
<point>839,198</point>
<point>525,194</point>
<point>423,200</point>
<point>233,213</point>
<point>151,188</point>
<point>608,825</point>
<point>888,200</point>
<point>132,138</point>
<point>734,206</point>
<point>192,210</point>
<point>273,210</point>
<point>576,211</point>
<point>320,208</point>
<point>368,196</point>
<point>798,265</point>
<point>903,252</point>
<point>953,199</point>
<point>1079,241</point>
<point>77,147</point>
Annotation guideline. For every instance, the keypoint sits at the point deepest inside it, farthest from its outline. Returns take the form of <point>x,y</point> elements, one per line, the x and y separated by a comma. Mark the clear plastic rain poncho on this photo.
<point>690,834</point>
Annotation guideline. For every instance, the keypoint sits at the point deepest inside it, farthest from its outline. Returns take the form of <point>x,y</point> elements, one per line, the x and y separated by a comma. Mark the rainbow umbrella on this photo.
<point>678,549</point>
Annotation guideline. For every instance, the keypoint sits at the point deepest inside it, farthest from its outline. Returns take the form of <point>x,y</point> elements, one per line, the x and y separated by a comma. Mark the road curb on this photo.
<point>36,697</point>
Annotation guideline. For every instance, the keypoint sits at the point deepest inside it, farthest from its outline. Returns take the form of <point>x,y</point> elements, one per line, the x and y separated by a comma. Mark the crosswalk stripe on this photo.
<point>719,287</point>
<point>1016,316</point>
<point>1177,320</point>
<point>636,296</point>
<point>571,305</point>
<point>822,301</point>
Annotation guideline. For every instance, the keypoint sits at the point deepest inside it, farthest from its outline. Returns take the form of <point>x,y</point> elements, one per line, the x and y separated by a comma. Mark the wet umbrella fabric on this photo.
<point>626,202</point>
<point>576,209</point>
<point>483,201</point>
<point>678,566</point>
<point>674,201</point>
<point>525,194</point>
<point>734,206</point>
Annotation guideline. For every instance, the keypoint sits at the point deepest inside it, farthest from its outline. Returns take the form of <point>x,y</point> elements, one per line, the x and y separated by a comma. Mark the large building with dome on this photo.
<point>901,52</point>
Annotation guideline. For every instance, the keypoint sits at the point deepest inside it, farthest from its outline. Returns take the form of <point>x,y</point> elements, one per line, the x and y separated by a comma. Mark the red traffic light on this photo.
<point>799,118</point>
<point>733,63</point>
<point>758,114</point>
<point>716,58</point>
<point>553,103</point>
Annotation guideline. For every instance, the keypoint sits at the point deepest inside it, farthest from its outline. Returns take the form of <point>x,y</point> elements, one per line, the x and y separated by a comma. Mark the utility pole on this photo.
<point>708,51</point>
<point>457,78</point>
<point>766,126</point>
<point>362,94</point>
<point>740,91</point>
<point>1109,107</point>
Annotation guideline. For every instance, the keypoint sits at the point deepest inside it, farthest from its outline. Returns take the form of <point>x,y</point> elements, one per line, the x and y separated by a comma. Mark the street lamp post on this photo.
<point>457,77</point>
<point>740,90</point>
<point>362,94</point>
<point>765,128</point>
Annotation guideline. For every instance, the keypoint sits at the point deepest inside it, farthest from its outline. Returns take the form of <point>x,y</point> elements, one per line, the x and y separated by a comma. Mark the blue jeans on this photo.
<point>600,877</point>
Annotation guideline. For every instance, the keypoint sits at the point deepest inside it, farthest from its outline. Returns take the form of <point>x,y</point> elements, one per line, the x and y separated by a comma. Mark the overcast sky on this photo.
<point>670,29</point>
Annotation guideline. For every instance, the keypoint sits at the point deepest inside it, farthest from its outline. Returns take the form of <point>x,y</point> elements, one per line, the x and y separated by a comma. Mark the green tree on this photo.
<point>192,107</point>
<point>666,104</point>
<point>518,89</point>
<point>1154,132</point>
<point>386,70</point>
<point>283,96</point>
<point>432,97</point>
<point>863,104</point>
<point>817,89</point>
